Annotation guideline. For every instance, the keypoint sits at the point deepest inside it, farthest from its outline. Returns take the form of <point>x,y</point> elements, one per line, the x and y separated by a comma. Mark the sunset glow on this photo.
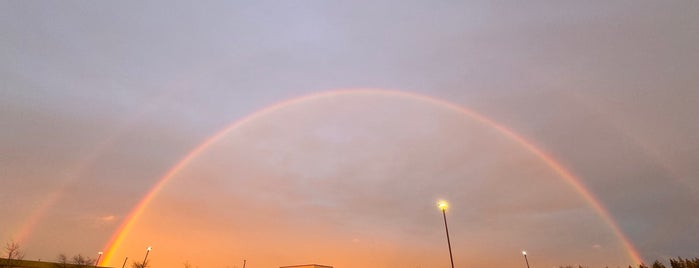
<point>350,94</point>
<point>319,134</point>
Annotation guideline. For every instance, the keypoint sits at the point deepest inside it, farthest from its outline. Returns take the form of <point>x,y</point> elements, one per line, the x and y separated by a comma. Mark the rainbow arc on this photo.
<point>129,222</point>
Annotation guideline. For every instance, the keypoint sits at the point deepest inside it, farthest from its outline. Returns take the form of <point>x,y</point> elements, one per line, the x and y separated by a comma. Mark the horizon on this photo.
<point>326,132</point>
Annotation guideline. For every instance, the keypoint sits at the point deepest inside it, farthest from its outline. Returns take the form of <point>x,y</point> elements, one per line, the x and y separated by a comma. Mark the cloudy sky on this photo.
<point>474,102</point>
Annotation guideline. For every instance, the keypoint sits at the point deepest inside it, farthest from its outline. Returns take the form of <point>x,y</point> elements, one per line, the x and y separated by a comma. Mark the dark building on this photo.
<point>6,263</point>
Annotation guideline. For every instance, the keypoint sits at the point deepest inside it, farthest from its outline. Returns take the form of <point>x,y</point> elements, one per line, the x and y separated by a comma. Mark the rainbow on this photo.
<point>77,171</point>
<point>129,222</point>
<point>33,220</point>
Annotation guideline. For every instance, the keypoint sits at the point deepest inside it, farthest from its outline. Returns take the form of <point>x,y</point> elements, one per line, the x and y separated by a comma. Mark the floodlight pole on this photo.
<point>525,258</point>
<point>443,207</point>
<point>99,255</point>
<point>146,258</point>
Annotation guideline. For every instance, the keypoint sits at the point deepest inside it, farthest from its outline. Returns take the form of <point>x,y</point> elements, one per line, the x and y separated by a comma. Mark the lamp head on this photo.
<point>149,248</point>
<point>524,253</point>
<point>442,205</point>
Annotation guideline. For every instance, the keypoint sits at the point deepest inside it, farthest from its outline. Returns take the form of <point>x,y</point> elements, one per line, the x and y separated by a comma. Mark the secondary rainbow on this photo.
<point>593,202</point>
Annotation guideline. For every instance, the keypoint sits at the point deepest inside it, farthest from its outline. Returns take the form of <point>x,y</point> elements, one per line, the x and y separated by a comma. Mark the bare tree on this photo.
<point>14,254</point>
<point>137,264</point>
<point>61,261</point>
<point>77,261</point>
<point>657,264</point>
<point>80,261</point>
<point>13,251</point>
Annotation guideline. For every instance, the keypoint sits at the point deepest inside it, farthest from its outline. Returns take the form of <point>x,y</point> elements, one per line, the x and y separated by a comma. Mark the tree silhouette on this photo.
<point>14,253</point>
<point>684,263</point>
<point>61,261</point>
<point>657,264</point>
<point>77,261</point>
<point>82,262</point>
<point>138,264</point>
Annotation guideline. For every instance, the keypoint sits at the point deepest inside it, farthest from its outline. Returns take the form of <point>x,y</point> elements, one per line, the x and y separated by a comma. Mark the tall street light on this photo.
<point>443,206</point>
<point>525,258</point>
<point>125,259</point>
<point>146,258</point>
<point>99,255</point>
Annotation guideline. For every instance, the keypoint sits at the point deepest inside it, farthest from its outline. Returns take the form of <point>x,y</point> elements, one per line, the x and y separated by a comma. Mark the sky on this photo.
<point>295,132</point>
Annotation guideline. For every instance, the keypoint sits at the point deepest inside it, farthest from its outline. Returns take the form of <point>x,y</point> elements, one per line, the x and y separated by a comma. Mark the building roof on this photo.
<point>307,265</point>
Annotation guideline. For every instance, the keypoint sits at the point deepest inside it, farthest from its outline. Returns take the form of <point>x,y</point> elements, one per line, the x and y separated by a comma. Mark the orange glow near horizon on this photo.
<point>129,223</point>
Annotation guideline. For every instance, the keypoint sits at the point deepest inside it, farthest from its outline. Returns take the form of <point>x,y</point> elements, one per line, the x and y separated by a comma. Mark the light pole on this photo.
<point>146,258</point>
<point>525,258</point>
<point>443,206</point>
<point>99,255</point>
